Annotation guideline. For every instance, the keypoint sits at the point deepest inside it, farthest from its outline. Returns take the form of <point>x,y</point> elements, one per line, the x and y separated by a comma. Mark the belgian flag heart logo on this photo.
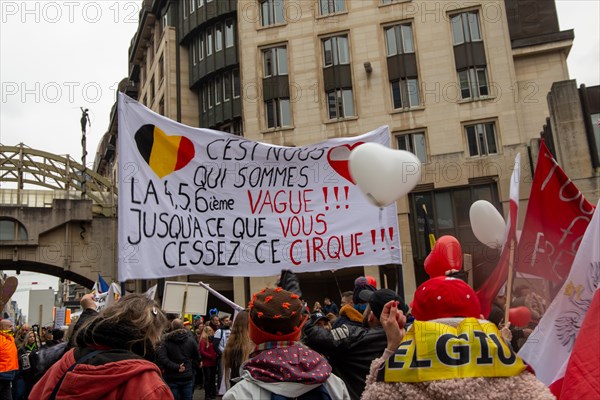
<point>164,154</point>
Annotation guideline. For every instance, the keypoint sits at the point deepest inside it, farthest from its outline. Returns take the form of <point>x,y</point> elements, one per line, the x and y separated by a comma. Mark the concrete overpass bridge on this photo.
<point>66,226</point>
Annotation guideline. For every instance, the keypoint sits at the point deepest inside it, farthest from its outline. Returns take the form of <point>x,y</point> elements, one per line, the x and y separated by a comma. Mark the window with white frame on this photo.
<point>415,143</point>
<point>402,66</point>
<point>399,39</point>
<point>194,48</point>
<point>209,93</point>
<point>473,83</point>
<point>336,51</point>
<point>481,139</point>
<point>465,27</point>
<point>278,113</point>
<point>218,37</point>
<point>193,6</point>
<point>209,42</point>
<point>469,54</point>
<point>218,90</point>
<point>405,93</point>
<point>340,104</point>
<point>201,46</point>
<point>271,12</point>
<point>275,61</point>
<point>236,83</point>
<point>332,6</point>
<point>229,35</point>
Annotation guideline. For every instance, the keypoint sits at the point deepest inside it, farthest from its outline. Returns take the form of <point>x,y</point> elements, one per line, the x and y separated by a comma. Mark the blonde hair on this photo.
<point>238,347</point>
<point>206,332</point>
<point>135,310</point>
<point>24,343</point>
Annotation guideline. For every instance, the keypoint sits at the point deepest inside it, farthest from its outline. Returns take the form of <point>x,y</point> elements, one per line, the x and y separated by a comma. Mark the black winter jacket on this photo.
<point>178,347</point>
<point>350,350</point>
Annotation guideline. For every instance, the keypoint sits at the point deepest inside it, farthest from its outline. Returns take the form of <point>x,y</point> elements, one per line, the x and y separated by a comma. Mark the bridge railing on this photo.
<point>41,198</point>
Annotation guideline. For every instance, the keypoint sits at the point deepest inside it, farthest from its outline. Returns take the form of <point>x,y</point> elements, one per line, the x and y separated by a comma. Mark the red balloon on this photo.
<point>519,316</point>
<point>445,256</point>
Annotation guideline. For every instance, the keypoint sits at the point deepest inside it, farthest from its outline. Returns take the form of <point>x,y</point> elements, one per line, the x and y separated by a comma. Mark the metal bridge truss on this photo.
<point>24,165</point>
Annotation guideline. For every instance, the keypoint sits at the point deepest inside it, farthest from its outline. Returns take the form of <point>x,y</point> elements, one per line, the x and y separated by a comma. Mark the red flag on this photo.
<point>550,348</point>
<point>489,290</point>
<point>582,377</point>
<point>556,219</point>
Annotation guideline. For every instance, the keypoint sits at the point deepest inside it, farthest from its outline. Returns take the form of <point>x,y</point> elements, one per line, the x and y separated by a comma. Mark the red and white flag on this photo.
<point>489,290</point>
<point>582,376</point>
<point>549,347</point>
<point>557,216</point>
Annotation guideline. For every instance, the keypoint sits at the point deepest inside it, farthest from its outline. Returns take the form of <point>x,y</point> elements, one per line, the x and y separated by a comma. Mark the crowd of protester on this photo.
<point>277,348</point>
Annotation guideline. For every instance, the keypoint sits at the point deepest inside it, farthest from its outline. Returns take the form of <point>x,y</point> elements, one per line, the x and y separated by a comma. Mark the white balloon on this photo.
<point>487,224</point>
<point>382,174</point>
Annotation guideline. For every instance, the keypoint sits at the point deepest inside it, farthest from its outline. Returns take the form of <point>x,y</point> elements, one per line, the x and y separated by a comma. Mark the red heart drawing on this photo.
<point>337,157</point>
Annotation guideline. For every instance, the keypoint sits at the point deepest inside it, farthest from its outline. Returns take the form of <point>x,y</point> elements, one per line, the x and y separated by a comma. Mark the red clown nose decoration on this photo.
<point>519,316</point>
<point>446,255</point>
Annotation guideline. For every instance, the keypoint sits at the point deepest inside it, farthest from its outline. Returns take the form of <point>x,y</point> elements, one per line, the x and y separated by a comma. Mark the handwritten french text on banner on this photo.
<point>198,201</point>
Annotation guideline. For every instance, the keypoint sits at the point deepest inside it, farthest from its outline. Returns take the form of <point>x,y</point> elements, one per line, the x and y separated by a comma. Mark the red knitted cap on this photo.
<point>445,297</point>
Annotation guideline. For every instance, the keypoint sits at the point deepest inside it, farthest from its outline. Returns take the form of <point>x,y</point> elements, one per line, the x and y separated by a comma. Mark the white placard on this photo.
<point>196,299</point>
<point>45,299</point>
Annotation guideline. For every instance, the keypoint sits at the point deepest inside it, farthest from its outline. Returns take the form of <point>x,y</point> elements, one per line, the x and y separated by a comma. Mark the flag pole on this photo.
<point>510,279</point>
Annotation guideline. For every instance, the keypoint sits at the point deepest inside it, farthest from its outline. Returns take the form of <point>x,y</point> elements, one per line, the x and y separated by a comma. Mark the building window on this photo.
<point>469,53</point>
<point>161,68</point>
<point>405,93</point>
<point>218,90</point>
<point>473,83</point>
<point>415,143</point>
<point>275,61</point>
<point>481,139</point>
<point>209,43</point>
<point>465,28</point>
<point>192,6</point>
<point>209,94</point>
<point>278,113</point>
<point>335,51</point>
<point>201,47</point>
<point>402,66</point>
<point>271,12</point>
<point>340,103</point>
<point>332,6</point>
<point>236,83</point>
<point>229,33</point>
<point>200,3</point>
<point>399,39</point>
<point>219,37</point>
<point>226,86</point>
<point>194,52</point>
<point>12,230</point>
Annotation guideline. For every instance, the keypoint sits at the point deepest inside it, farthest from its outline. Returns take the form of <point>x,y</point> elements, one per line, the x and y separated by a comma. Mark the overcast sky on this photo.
<point>58,56</point>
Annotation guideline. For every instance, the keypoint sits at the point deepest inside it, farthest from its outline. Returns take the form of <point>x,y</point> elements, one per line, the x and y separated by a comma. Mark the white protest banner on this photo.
<point>198,201</point>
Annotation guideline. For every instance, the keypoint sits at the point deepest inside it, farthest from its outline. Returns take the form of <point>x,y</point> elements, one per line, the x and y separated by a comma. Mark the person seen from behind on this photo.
<point>237,350</point>
<point>176,355</point>
<point>111,357</point>
<point>280,366</point>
